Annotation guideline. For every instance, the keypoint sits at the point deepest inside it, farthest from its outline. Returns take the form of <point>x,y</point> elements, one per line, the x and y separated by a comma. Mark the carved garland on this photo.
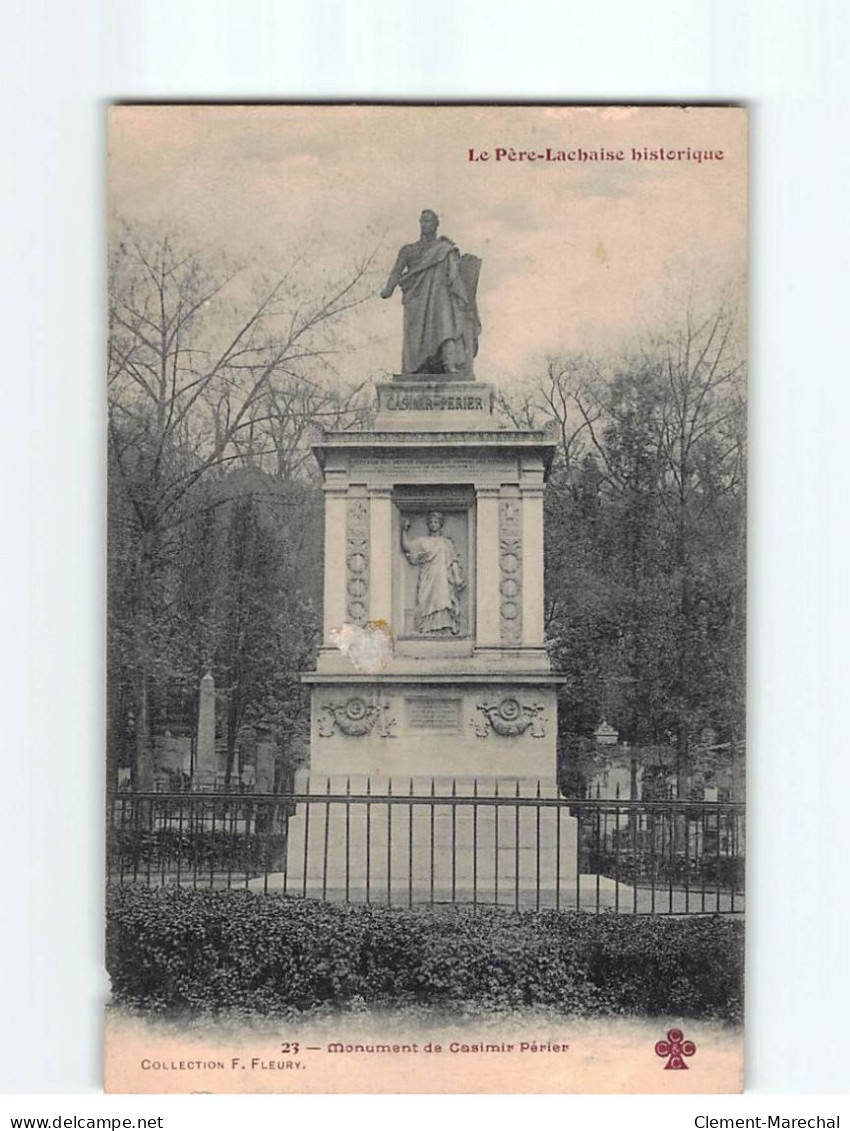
<point>510,718</point>
<point>510,571</point>
<point>355,717</point>
<point>357,561</point>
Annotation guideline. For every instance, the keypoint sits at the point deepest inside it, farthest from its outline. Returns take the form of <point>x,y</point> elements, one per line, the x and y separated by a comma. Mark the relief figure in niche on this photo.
<point>440,579</point>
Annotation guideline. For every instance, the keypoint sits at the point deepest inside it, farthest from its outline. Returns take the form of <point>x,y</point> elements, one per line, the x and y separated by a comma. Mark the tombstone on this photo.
<point>605,734</point>
<point>266,753</point>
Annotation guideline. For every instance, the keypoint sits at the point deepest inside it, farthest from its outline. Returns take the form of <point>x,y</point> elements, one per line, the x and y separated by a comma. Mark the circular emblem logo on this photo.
<point>510,709</point>
<point>356,709</point>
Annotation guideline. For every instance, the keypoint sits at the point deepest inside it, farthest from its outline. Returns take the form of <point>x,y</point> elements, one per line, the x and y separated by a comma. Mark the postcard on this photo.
<point>426,582</point>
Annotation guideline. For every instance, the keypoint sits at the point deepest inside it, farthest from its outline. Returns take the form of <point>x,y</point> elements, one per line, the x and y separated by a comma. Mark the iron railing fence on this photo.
<point>400,848</point>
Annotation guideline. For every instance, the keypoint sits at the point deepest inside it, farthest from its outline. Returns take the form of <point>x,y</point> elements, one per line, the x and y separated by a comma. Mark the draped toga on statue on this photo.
<point>438,285</point>
<point>437,307</point>
<point>438,585</point>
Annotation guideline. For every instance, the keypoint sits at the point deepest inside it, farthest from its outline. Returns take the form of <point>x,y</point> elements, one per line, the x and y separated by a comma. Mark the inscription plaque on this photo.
<point>441,715</point>
<point>415,465</point>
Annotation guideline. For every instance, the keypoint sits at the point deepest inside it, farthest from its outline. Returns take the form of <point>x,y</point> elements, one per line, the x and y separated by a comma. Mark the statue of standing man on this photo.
<point>438,285</point>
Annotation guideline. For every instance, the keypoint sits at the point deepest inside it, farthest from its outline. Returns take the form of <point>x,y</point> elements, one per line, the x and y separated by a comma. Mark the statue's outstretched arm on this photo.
<point>406,546</point>
<point>395,274</point>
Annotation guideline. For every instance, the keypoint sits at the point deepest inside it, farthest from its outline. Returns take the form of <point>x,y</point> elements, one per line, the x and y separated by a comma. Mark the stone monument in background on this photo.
<point>206,759</point>
<point>434,552</point>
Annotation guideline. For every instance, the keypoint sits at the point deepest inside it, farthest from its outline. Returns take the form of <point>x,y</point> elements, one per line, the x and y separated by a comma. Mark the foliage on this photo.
<point>205,951</point>
<point>215,381</point>
<point>645,515</point>
<point>202,851</point>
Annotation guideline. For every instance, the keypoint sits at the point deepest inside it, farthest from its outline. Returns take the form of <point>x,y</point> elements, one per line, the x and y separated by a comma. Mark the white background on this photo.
<point>62,63</point>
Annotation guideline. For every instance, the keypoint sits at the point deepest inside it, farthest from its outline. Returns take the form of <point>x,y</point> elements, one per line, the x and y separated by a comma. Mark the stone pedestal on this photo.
<point>474,702</point>
<point>425,403</point>
<point>438,850</point>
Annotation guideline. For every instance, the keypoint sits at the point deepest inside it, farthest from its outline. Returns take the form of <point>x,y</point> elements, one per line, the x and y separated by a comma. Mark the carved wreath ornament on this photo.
<point>355,717</point>
<point>510,718</point>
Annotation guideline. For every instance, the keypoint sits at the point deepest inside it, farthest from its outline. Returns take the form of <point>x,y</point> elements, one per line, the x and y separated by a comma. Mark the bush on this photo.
<point>202,951</point>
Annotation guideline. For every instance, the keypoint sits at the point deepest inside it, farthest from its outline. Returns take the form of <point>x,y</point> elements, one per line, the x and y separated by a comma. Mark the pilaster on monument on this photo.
<point>487,510</point>
<point>380,535</point>
<point>335,498</point>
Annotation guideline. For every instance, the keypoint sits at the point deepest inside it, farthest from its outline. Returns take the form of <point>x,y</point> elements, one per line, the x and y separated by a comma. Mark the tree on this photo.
<point>205,372</point>
<point>701,444</point>
<point>645,524</point>
<point>552,401</point>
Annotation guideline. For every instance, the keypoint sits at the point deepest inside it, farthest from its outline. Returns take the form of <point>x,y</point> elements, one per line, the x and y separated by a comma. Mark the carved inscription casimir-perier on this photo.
<point>357,561</point>
<point>510,571</point>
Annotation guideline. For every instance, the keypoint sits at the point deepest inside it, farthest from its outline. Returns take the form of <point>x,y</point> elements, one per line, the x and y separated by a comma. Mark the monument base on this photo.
<point>441,840</point>
<point>434,402</point>
<point>450,724</point>
<point>433,662</point>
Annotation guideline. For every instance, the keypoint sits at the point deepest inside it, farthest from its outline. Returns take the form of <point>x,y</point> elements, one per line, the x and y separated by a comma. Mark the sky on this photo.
<point>576,256</point>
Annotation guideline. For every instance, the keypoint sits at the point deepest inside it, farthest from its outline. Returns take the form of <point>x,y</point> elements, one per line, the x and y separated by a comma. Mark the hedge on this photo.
<point>210,951</point>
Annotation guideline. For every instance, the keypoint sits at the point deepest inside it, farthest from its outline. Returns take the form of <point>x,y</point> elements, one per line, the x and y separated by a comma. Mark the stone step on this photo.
<point>453,850</point>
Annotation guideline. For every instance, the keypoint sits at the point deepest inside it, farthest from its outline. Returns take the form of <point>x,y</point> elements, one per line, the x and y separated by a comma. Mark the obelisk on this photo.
<point>206,763</point>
